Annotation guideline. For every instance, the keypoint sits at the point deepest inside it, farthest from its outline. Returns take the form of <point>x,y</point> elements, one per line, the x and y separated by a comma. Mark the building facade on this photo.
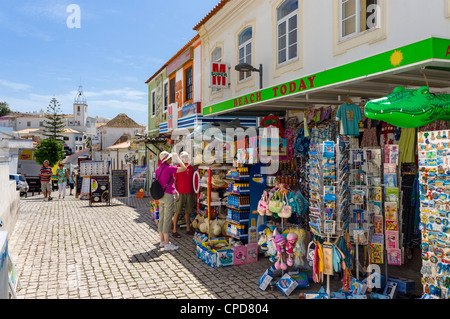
<point>78,126</point>
<point>115,141</point>
<point>321,52</point>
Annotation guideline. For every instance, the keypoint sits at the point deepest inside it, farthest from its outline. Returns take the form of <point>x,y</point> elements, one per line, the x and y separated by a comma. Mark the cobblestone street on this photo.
<point>66,249</point>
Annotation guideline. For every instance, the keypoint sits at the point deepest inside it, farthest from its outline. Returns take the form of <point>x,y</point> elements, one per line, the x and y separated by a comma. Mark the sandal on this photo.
<point>176,235</point>
<point>190,232</point>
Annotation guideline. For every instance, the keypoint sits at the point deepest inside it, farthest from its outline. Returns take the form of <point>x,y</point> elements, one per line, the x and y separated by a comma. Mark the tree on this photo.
<point>50,150</point>
<point>54,124</point>
<point>4,109</point>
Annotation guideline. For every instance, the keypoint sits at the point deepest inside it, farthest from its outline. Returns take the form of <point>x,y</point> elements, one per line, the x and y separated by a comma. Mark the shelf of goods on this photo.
<point>238,203</point>
<point>208,207</point>
<point>218,252</point>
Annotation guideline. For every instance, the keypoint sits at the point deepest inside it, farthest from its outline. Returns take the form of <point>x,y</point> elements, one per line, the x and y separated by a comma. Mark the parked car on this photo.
<point>68,151</point>
<point>21,183</point>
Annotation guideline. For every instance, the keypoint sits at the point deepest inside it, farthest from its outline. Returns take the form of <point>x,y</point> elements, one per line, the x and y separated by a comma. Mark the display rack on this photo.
<point>209,186</point>
<point>392,206</point>
<point>238,202</point>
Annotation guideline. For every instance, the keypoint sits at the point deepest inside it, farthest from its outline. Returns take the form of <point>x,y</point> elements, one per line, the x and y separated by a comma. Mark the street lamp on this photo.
<point>245,67</point>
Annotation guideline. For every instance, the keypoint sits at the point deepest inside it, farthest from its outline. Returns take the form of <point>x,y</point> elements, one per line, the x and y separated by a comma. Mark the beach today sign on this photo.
<point>277,91</point>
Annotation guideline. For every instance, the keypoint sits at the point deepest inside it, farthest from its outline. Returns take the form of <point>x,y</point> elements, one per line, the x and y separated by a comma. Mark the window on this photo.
<point>172,90</point>
<point>153,103</point>
<point>78,108</point>
<point>358,16</point>
<point>28,123</point>
<point>287,16</point>
<point>65,138</point>
<point>188,84</point>
<point>216,56</point>
<point>245,51</point>
<point>166,96</point>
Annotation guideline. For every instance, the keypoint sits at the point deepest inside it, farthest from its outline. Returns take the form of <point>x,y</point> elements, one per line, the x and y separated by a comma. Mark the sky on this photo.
<point>50,47</point>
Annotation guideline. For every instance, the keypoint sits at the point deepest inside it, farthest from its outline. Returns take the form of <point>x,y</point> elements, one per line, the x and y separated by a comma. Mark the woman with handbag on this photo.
<point>165,176</point>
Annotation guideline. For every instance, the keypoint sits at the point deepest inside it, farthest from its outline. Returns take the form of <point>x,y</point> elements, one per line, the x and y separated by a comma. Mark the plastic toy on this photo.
<point>409,108</point>
<point>291,240</point>
<point>280,243</point>
<point>262,241</point>
<point>300,248</point>
<point>271,247</point>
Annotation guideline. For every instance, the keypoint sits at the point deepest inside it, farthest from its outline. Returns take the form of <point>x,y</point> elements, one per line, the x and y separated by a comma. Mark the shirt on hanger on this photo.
<point>349,115</point>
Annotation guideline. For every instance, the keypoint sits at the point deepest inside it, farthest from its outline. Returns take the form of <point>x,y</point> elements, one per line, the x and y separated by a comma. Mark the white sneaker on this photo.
<point>170,246</point>
<point>162,244</point>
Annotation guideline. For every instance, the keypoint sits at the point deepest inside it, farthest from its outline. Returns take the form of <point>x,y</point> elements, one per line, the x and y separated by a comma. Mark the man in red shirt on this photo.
<point>46,183</point>
<point>185,189</point>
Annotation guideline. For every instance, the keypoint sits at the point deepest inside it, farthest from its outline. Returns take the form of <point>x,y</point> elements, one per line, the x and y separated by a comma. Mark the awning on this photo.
<point>424,63</point>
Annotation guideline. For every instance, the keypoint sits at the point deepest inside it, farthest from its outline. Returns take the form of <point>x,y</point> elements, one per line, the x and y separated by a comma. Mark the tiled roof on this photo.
<point>211,13</point>
<point>122,120</point>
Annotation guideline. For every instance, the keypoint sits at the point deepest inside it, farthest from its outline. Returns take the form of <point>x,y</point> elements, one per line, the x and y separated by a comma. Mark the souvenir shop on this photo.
<point>350,200</point>
<point>358,203</point>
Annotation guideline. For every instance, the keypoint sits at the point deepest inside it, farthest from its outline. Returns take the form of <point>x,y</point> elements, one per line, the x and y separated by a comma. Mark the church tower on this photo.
<point>80,108</point>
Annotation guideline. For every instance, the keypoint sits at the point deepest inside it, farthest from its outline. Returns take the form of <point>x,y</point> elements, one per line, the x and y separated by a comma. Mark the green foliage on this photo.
<point>4,109</point>
<point>51,150</point>
<point>54,124</point>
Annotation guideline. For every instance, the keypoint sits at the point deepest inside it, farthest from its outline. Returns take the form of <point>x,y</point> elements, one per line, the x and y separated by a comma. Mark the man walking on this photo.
<point>185,188</point>
<point>46,184</point>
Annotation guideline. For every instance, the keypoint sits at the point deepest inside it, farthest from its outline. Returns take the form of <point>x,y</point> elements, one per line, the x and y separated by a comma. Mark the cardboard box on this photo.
<point>252,253</point>
<point>404,286</point>
<point>287,284</point>
<point>239,255</point>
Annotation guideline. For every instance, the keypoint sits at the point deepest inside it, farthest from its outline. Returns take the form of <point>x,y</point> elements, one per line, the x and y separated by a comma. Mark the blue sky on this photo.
<point>118,46</point>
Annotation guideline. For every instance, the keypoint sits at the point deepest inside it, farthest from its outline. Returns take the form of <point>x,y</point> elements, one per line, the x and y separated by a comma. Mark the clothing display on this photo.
<point>370,135</point>
<point>387,134</point>
<point>407,145</point>
<point>349,114</point>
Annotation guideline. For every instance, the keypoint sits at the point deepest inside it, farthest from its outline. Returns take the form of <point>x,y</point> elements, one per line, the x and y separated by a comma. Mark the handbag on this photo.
<point>276,203</point>
<point>286,211</point>
<point>293,202</point>
<point>156,189</point>
<point>263,204</point>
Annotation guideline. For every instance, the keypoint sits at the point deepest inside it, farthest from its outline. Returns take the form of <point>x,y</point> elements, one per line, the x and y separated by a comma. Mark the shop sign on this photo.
<point>277,91</point>
<point>219,75</point>
<point>179,61</point>
<point>179,93</point>
<point>26,155</point>
<point>422,51</point>
<point>172,117</point>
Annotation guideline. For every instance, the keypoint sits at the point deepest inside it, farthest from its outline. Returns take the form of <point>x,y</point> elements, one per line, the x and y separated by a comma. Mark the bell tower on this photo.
<point>80,108</point>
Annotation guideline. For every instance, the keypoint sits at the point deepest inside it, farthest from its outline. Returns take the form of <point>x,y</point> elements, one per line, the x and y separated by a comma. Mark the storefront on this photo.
<point>360,184</point>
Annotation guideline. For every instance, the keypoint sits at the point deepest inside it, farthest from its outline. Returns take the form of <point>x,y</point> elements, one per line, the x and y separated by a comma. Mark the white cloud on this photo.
<point>126,93</point>
<point>14,85</point>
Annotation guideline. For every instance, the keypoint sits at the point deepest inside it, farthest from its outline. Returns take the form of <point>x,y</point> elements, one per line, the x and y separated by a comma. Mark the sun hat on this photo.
<point>164,156</point>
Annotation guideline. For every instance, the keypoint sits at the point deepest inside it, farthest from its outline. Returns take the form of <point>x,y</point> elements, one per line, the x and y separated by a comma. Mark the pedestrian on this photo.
<point>165,176</point>
<point>63,177</point>
<point>72,181</point>
<point>185,189</point>
<point>45,176</point>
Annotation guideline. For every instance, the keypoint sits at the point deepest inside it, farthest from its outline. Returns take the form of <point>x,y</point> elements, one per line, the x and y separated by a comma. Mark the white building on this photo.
<point>10,147</point>
<point>78,126</point>
<point>322,52</point>
<point>115,141</point>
